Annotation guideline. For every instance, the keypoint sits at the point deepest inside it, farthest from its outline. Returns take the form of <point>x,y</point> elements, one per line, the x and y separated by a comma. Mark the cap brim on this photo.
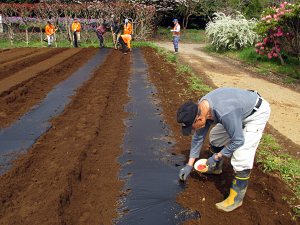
<point>187,130</point>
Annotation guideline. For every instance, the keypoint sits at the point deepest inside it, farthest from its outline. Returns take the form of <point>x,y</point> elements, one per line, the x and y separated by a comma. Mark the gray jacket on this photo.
<point>229,106</point>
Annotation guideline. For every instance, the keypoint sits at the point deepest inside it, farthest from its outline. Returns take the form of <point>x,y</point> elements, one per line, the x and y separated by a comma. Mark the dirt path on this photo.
<point>285,104</point>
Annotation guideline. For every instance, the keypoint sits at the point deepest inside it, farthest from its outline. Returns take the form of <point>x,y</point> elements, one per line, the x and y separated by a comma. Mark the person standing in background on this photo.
<point>116,33</point>
<point>127,27</point>
<point>76,28</point>
<point>176,34</point>
<point>49,29</point>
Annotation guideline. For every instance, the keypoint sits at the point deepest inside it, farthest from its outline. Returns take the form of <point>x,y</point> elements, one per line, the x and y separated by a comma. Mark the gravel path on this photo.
<point>285,104</point>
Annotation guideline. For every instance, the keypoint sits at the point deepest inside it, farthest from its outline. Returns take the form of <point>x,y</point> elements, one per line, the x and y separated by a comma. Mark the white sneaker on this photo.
<point>125,53</point>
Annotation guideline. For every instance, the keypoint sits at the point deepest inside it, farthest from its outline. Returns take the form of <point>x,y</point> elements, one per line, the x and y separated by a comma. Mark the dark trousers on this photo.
<point>101,39</point>
<point>123,44</point>
<point>75,40</point>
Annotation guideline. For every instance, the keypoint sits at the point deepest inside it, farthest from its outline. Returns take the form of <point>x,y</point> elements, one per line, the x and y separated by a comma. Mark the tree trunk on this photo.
<point>279,55</point>
<point>26,35</point>
<point>158,20</point>
<point>41,33</point>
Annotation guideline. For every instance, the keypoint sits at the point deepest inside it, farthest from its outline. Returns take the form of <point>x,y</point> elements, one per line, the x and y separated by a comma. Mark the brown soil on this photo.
<point>263,203</point>
<point>13,66</point>
<point>25,94</point>
<point>70,175</point>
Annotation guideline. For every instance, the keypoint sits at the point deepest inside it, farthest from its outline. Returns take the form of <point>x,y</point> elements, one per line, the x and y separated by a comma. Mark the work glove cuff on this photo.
<point>189,168</point>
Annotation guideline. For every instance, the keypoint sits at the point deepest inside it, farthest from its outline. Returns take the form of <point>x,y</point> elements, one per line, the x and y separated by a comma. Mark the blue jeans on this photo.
<point>175,41</point>
<point>101,39</point>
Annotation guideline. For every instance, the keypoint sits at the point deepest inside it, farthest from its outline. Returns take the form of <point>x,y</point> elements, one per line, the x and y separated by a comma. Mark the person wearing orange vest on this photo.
<point>76,28</point>
<point>176,34</point>
<point>126,39</point>
<point>127,27</point>
<point>49,29</point>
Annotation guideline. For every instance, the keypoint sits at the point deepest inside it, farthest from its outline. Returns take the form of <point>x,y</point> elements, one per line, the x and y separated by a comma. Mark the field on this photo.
<point>85,167</point>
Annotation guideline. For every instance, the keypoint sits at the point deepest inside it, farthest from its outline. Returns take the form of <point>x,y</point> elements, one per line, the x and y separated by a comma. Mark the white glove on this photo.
<point>74,30</point>
<point>171,30</point>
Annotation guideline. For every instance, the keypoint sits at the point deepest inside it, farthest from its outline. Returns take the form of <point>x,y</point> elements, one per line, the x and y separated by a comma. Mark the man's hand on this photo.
<point>185,172</point>
<point>74,30</point>
<point>212,163</point>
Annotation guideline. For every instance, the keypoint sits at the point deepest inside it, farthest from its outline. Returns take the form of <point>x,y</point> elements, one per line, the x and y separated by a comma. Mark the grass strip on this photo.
<point>273,160</point>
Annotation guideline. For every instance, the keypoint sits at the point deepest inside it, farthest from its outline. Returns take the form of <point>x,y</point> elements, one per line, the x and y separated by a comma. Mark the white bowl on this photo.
<point>201,162</point>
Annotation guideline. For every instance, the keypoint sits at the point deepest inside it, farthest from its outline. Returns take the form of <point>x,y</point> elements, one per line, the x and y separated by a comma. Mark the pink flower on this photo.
<point>258,44</point>
<point>273,48</point>
<point>271,40</point>
<point>275,16</point>
<point>268,21</point>
<point>262,48</point>
<point>266,39</point>
<point>261,53</point>
<point>264,18</point>
<point>277,42</point>
<point>272,52</point>
<point>269,56</point>
<point>287,34</point>
<point>282,5</point>
<point>275,28</point>
<point>285,3</point>
<point>278,49</point>
<point>256,50</point>
<point>293,35</point>
<point>275,54</point>
<point>269,17</point>
<point>271,36</point>
<point>289,38</point>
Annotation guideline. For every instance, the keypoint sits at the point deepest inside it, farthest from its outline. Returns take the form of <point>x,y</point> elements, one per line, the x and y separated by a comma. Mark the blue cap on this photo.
<point>175,20</point>
<point>126,20</point>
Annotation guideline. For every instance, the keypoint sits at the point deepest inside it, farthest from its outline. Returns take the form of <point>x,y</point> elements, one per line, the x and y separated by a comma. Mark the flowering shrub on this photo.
<point>231,32</point>
<point>279,28</point>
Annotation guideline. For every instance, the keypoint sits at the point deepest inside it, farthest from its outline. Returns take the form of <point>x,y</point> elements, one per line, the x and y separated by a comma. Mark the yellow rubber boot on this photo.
<point>237,191</point>
<point>213,150</point>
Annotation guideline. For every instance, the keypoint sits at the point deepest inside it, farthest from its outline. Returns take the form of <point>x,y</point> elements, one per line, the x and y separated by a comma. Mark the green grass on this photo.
<point>195,82</point>
<point>273,160</point>
<point>291,67</point>
<point>190,36</point>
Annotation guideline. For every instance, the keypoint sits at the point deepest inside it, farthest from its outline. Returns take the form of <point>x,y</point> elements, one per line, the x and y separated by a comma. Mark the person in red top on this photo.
<point>100,31</point>
<point>126,39</point>
<point>176,34</point>
<point>76,28</point>
<point>49,29</point>
<point>127,27</point>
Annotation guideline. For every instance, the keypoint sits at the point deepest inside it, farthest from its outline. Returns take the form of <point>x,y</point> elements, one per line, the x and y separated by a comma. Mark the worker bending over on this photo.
<point>126,39</point>
<point>100,31</point>
<point>240,117</point>
<point>76,28</point>
<point>49,29</point>
<point>127,27</point>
